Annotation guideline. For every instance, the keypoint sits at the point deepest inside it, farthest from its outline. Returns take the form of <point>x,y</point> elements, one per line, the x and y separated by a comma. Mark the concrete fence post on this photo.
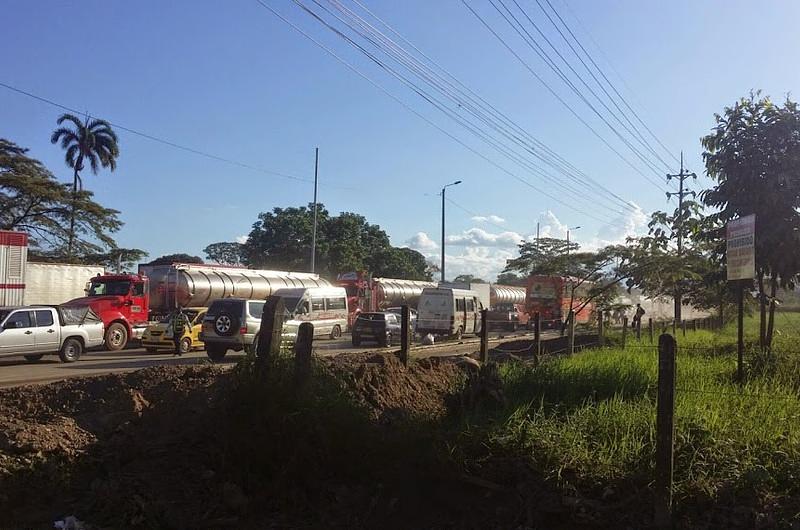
<point>665,431</point>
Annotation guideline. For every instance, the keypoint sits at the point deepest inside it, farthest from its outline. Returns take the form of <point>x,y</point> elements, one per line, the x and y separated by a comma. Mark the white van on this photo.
<point>448,311</point>
<point>325,307</point>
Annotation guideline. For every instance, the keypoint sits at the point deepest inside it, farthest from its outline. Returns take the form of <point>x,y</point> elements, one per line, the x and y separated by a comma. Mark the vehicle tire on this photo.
<point>71,350</point>
<point>356,341</point>
<point>34,357</point>
<point>116,337</point>
<point>216,353</point>
<point>336,332</point>
<point>459,333</point>
<point>186,345</point>
<point>226,324</point>
<point>151,350</point>
<point>389,339</point>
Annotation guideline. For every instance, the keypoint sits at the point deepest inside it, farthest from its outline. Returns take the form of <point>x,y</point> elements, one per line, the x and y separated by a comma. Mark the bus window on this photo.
<point>459,304</point>
<point>318,304</point>
<point>335,303</point>
<point>470,305</point>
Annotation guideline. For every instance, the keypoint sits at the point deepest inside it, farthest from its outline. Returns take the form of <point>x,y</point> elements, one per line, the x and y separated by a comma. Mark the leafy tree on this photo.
<point>169,259</point>
<point>225,253</point>
<point>116,259</point>
<point>402,263</point>
<point>33,201</point>
<point>89,140</point>
<point>509,278</point>
<point>753,154</point>
<point>281,239</point>
<point>467,278</point>
<point>548,257</point>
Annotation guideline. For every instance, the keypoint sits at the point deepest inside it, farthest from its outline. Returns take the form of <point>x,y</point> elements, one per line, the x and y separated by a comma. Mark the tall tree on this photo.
<point>33,201</point>
<point>224,253</point>
<point>116,259</point>
<point>90,140</point>
<point>753,154</point>
<point>405,263</point>
<point>169,259</point>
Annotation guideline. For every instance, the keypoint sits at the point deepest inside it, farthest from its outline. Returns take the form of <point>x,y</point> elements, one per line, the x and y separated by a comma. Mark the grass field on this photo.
<point>588,420</point>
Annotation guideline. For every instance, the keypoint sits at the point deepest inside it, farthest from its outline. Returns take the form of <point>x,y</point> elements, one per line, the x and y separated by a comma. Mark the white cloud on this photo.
<point>488,219</point>
<point>481,238</point>
<point>550,226</point>
<point>422,242</point>
<point>241,239</point>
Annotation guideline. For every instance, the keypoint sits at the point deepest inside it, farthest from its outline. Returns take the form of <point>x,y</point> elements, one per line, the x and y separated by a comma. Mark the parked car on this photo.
<point>231,324</point>
<point>507,316</point>
<point>399,312</point>
<point>159,336</point>
<point>36,331</point>
<point>381,328</point>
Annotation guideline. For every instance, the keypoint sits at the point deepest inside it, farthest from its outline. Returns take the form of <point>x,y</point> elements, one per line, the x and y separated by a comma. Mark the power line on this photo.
<point>476,130</point>
<point>404,104</point>
<point>162,140</point>
<point>559,98</point>
<point>467,99</point>
<point>600,70</point>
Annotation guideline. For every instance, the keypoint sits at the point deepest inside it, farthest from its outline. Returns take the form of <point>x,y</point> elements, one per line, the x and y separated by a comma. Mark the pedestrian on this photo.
<point>637,316</point>
<point>180,323</point>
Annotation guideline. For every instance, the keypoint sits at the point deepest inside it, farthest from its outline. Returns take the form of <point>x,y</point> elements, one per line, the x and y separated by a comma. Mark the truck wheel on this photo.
<point>226,324</point>
<point>186,345</point>
<point>34,358</point>
<point>116,337</point>
<point>336,332</point>
<point>216,353</point>
<point>71,350</point>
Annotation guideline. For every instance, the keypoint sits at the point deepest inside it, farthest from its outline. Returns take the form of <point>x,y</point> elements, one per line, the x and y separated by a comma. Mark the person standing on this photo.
<point>637,316</point>
<point>180,322</point>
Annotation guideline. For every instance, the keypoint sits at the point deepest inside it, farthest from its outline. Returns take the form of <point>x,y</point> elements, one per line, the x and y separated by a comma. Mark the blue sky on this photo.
<point>233,80</point>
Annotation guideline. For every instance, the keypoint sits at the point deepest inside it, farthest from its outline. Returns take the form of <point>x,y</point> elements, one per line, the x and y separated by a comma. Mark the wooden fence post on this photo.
<point>665,430</point>
<point>639,329</point>
<point>571,332</point>
<point>271,330</point>
<point>405,334</point>
<point>674,327</point>
<point>683,327</point>
<point>537,336</point>
<point>302,353</point>
<point>624,331</point>
<point>650,329</point>
<point>484,335</point>
<point>694,324</point>
<point>601,339</point>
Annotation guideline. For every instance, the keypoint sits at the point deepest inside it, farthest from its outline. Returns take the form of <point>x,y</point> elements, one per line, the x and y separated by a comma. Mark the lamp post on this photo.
<point>443,189</point>
<point>568,229</point>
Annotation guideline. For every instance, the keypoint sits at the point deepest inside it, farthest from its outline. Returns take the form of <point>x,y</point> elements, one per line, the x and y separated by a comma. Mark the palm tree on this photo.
<point>92,140</point>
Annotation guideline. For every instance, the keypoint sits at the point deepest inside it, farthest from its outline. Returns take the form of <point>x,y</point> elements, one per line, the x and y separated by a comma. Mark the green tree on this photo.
<point>509,278</point>
<point>33,201</point>
<point>281,239</point>
<point>89,140</point>
<point>753,155</point>
<point>467,278</point>
<point>404,263</point>
<point>116,259</point>
<point>169,259</point>
<point>225,253</point>
<point>548,257</point>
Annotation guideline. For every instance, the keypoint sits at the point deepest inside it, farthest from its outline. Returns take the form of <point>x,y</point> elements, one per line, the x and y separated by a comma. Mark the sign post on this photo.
<point>741,257</point>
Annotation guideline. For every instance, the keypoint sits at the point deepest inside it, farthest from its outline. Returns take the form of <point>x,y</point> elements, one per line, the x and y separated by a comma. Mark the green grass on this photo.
<point>588,420</point>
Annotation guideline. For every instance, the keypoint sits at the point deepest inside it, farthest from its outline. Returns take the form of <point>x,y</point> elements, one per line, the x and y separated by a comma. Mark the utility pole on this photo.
<point>314,232</point>
<point>682,192</point>
<point>443,189</point>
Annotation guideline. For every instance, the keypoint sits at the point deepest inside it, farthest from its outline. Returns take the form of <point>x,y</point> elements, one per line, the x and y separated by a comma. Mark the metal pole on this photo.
<point>314,232</point>
<point>443,232</point>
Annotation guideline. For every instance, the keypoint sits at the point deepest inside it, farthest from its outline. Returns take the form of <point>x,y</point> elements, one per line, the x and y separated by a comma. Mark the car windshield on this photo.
<point>113,288</point>
<point>371,316</point>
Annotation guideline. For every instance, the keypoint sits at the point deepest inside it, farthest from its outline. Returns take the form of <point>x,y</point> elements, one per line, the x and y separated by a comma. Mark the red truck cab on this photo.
<point>122,303</point>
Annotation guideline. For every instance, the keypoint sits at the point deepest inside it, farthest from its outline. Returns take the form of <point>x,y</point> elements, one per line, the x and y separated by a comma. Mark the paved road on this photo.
<point>16,371</point>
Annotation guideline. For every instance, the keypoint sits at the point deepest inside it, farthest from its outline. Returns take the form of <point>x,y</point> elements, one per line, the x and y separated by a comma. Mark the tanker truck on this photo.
<point>368,294</point>
<point>507,309</point>
<point>128,303</point>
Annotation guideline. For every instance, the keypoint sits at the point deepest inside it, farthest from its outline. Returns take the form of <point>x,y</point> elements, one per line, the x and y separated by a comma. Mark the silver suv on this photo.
<point>231,324</point>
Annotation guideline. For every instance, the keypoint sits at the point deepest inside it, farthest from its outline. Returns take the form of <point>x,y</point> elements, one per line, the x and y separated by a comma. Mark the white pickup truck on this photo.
<point>36,331</point>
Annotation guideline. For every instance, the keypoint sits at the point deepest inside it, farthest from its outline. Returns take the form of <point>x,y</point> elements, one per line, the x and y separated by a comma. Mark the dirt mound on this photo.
<point>392,391</point>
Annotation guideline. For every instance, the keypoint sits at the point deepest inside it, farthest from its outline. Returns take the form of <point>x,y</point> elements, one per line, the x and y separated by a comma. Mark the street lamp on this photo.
<point>444,188</point>
<point>568,229</point>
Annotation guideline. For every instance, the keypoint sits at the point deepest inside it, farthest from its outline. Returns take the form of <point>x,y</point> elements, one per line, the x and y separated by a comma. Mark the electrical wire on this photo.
<point>168,142</point>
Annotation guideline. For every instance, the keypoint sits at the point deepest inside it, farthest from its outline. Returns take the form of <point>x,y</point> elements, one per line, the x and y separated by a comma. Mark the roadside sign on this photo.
<point>741,249</point>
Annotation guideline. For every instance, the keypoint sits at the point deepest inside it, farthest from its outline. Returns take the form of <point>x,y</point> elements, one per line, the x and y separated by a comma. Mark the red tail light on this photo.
<point>242,330</point>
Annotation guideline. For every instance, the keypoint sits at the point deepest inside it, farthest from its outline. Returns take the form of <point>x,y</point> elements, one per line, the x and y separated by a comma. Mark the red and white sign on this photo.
<point>741,250</point>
